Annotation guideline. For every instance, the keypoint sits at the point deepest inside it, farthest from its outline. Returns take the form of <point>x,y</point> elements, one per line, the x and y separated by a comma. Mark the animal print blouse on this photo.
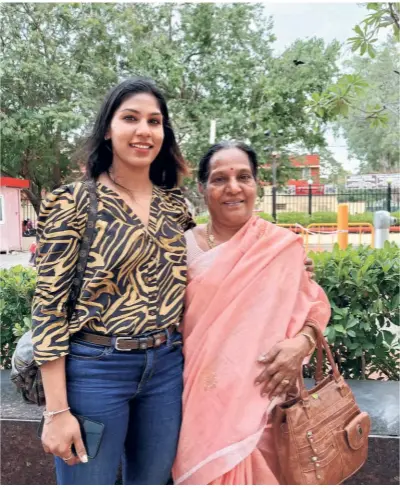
<point>135,277</point>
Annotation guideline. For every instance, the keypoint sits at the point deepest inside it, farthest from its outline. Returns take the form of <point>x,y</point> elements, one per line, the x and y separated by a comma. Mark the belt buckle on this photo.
<point>121,338</point>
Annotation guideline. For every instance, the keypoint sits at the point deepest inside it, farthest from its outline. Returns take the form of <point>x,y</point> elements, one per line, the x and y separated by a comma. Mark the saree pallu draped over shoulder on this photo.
<point>243,297</point>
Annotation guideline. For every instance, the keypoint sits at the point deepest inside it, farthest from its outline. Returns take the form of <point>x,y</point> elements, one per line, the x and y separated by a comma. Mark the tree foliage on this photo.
<point>376,147</point>
<point>340,97</point>
<point>212,61</point>
<point>383,15</point>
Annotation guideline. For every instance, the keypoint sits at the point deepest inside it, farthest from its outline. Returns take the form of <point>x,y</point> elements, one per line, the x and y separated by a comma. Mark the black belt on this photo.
<point>126,343</point>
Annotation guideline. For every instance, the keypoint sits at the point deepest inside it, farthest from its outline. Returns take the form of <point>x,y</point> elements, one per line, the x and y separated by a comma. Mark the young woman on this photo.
<point>249,305</point>
<point>119,360</point>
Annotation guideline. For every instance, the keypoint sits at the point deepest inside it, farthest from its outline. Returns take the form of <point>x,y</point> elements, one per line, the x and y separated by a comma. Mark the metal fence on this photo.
<point>311,201</point>
<point>27,213</point>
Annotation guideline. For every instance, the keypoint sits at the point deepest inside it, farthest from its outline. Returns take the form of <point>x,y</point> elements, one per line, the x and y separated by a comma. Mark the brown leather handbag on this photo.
<point>321,435</point>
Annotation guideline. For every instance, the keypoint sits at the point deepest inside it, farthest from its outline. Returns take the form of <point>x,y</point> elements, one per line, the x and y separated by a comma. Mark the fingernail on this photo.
<point>262,357</point>
<point>264,394</point>
<point>258,383</point>
<point>84,459</point>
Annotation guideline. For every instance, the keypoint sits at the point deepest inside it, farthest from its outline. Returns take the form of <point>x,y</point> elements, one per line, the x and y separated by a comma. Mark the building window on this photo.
<point>306,173</point>
<point>1,209</point>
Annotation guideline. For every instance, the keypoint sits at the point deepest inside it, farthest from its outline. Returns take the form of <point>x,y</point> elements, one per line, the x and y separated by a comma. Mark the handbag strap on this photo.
<point>322,345</point>
<point>319,374</point>
<point>86,242</point>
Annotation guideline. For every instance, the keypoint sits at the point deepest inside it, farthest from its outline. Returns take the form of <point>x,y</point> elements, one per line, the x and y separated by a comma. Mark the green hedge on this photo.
<point>363,287</point>
<point>304,219</point>
<point>396,214</point>
<point>16,292</point>
<point>361,283</point>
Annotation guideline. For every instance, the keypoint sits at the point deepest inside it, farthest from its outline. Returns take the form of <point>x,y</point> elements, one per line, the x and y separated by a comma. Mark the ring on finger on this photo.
<point>67,459</point>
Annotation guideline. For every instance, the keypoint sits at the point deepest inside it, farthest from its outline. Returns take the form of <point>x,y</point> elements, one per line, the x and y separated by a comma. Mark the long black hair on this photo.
<point>168,166</point>
<point>204,165</point>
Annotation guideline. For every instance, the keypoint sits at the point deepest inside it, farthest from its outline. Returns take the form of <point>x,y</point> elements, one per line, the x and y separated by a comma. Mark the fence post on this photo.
<point>310,197</point>
<point>274,203</point>
<point>389,197</point>
<point>343,226</point>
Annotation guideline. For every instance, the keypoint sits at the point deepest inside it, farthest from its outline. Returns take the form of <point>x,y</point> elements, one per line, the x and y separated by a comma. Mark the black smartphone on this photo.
<point>92,433</point>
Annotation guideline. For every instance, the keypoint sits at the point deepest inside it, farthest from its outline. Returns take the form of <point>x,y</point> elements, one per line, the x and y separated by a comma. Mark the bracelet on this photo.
<point>48,416</point>
<point>312,341</point>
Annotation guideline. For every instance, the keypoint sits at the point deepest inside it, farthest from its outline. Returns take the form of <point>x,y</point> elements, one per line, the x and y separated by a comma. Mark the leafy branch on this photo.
<point>341,96</point>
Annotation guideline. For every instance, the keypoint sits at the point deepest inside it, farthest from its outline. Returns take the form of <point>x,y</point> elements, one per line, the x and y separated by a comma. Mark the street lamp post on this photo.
<point>389,195</point>
<point>274,163</point>
<point>310,182</point>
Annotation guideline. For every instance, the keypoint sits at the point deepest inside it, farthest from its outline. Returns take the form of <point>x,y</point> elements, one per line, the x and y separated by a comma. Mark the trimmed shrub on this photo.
<point>292,217</point>
<point>323,217</point>
<point>266,216</point>
<point>362,218</point>
<point>304,219</point>
<point>201,219</point>
<point>362,284</point>
<point>396,214</point>
<point>363,287</point>
<point>17,286</point>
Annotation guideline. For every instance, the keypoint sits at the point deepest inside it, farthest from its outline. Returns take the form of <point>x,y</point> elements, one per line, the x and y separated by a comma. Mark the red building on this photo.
<point>305,168</point>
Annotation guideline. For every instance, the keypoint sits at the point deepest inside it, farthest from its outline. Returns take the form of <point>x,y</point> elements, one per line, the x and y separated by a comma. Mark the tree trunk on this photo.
<point>34,199</point>
<point>57,179</point>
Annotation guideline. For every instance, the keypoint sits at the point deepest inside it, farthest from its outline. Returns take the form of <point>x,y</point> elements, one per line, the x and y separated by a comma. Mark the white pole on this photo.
<point>382,223</point>
<point>213,130</point>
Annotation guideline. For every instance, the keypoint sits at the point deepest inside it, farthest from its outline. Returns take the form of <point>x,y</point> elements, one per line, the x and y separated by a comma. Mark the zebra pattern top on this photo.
<point>135,277</point>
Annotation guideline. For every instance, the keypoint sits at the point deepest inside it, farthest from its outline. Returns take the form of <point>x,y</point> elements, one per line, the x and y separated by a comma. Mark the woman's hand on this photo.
<point>282,366</point>
<point>60,434</point>
<point>309,265</point>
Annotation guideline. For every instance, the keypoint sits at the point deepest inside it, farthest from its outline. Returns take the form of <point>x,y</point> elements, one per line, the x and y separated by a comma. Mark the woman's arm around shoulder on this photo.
<point>177,198</point>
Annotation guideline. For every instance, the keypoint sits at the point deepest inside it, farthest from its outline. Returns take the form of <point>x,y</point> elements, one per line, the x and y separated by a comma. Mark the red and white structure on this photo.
<point>10,213</point>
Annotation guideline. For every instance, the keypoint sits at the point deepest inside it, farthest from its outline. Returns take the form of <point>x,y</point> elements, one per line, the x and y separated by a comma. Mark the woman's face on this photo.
<point>231,188</point>
<point>136,131</point>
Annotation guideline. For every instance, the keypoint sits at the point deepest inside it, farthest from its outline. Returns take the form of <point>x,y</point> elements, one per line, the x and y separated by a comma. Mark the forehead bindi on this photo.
<point>230,166</point>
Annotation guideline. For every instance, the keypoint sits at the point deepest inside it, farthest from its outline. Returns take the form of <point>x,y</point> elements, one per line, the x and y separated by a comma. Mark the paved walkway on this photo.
<point>15,258</point>
<point>326,242</point>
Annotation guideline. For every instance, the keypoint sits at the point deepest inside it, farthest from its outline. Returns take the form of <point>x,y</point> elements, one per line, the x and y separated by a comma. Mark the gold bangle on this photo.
<point>312,341</point>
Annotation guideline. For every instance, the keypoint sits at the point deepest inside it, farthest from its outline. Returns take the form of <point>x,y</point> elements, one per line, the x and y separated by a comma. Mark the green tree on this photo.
<point>212,61</point>
<point>53,73</point>
<point>382,15</point>
<point>376,147</point>
<point>332,171</point>
<point>340,97</point>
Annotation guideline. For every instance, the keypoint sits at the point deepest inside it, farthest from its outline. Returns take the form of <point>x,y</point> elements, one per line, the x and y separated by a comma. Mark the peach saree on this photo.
<point>243,297</point>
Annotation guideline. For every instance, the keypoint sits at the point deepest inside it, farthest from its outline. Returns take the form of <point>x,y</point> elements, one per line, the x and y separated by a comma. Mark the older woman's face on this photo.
<point>231,189</point>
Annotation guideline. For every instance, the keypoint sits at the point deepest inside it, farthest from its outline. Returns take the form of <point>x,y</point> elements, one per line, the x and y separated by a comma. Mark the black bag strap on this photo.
<point>86,242</point>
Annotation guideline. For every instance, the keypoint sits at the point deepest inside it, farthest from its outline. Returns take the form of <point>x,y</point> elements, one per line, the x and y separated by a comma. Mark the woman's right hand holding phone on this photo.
<point>59,434</point>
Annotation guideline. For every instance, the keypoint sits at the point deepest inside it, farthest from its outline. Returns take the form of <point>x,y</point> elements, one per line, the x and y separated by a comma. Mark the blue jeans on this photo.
<point>137,396</point>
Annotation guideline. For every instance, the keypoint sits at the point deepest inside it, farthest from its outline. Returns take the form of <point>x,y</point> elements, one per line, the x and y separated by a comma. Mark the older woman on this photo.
<point>249,304</point>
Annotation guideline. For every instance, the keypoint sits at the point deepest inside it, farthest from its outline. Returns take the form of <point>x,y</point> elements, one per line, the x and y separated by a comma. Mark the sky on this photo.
<point>328,21</point>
